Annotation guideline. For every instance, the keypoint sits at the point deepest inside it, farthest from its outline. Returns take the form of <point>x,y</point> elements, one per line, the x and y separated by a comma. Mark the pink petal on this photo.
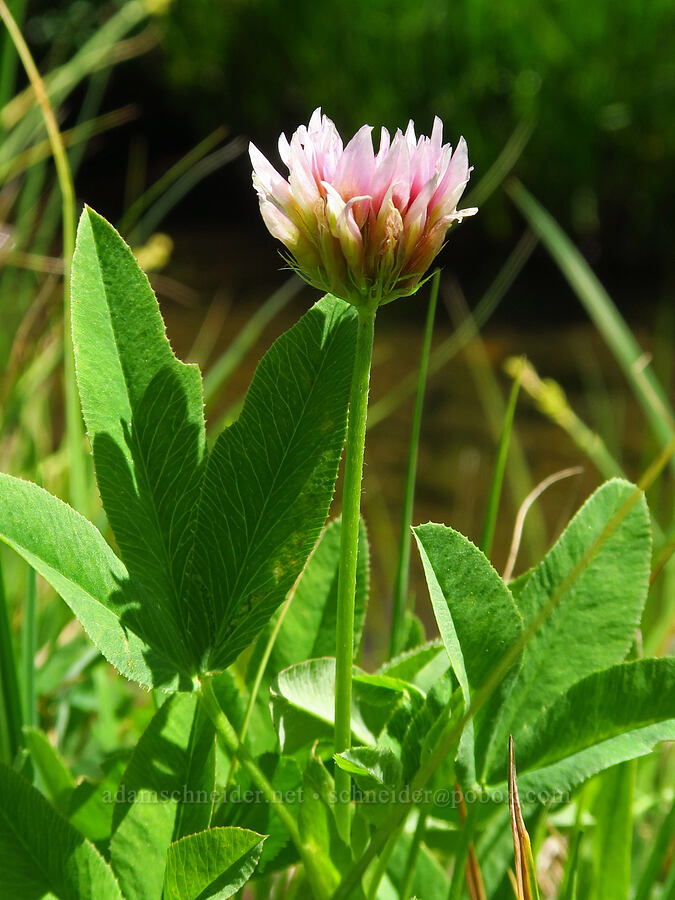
<point>315,122</point>
<point>423,166</point>
<point>457,173</point>
<point>350,238</point>
<point>393,172</point>
<point>415,219</point>
<point>302,178</point>
<point>355,170</point>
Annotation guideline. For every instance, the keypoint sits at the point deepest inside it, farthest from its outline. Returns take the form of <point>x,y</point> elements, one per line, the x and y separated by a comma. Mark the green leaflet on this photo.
<point>599,582</point>
<point>212,864</point>
<point>604,719</point>
<point>303,704</point>
<point>166,793</point>
<point>377,772</point>
<point>58,782</point>
<point>270,479</point>
<point>476,615</point>
<point>70,553</point>
<point>90,809</point>
<point>442,706</point>
<point>144,414</point>
<point>422,665</point>
<point>372,767</point>
<point>41,853</point>
<point>286,776</point>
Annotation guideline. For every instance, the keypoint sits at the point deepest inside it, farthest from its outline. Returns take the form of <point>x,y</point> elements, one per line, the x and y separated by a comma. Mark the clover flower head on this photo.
<point>364,226</point>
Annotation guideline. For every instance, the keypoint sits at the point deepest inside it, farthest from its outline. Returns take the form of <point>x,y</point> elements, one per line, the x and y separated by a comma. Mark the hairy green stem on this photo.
<point>403,567</point>
<point>63,173</point>
<point>351,509</point>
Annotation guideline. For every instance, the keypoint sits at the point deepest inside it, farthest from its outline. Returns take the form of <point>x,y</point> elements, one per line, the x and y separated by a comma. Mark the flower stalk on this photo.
<point>349,540</point>
<point>365,227</point>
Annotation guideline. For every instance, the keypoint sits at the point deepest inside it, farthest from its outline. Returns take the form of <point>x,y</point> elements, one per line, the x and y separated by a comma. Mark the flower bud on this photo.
<point>363,226</point>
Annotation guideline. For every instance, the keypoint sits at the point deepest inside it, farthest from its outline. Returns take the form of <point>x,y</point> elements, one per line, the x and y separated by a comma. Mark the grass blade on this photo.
<point>490,394</point>
<point>153,193</point>
<point>525,507</point>
<point>602,311</point>
<point>502,166</point>
<point>568,890</point>
<point>219,373</point>
<point>182,186</point>
<point>74,434</point>
<point>8,57</point>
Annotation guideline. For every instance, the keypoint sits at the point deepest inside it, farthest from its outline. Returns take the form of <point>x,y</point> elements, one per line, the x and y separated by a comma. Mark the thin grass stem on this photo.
<point>403,565</point>
<point>155,191</point>
<point>488,533</point>
<point>413,853</point>
<point>525,507</point>
<point>9,682</point>
<point>29,649</point>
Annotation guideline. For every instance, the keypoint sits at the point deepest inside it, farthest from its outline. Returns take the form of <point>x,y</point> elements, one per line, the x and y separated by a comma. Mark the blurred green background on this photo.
<point>595,81</point>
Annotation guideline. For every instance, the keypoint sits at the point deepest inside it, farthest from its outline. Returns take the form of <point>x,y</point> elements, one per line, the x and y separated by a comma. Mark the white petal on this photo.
<point>285,150</point>
<point>279,225</point>
<point>315,120</point>
<point>267,176</point>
